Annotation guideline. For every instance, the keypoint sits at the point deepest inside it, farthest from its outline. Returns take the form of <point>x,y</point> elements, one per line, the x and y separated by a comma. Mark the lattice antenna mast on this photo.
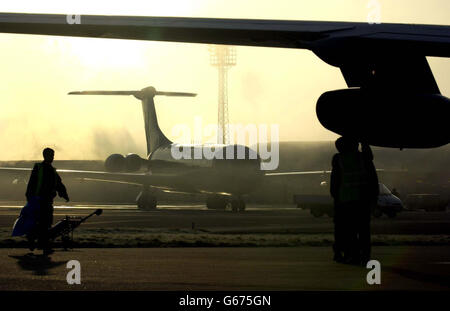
<point>223,57</point>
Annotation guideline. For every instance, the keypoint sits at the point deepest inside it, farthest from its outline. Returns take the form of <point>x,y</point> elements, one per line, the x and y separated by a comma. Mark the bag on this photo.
<point>28,218</point>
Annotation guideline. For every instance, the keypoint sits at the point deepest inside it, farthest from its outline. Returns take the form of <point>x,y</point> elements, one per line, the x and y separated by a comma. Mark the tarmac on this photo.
<point>256,219</point>
<point>305,268</point>
<point>226,269</point>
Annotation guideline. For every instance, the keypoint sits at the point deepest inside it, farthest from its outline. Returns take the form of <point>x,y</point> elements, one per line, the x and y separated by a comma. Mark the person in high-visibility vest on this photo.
<point>44,183</point>
<point>354,187</point>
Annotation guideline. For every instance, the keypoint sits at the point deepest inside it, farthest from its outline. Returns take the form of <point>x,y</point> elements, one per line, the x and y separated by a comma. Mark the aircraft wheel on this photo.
<point>241,207</point>
<point>146,202</point>
<point>237,205</point>
<point>316,213</point>
<point>217,203</point>
<point>151,202</point>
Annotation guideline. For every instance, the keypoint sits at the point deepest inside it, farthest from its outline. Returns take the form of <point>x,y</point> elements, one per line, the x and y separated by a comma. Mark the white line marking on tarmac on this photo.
<point>134,207</point>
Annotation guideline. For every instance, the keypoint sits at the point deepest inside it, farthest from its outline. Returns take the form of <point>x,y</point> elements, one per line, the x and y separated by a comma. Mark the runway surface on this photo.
<point>409,267</point>
<point>293,268</point>
<point>256,219</point>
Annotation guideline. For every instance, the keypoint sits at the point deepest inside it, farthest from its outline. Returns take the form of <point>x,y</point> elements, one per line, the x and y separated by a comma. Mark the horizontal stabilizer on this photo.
<point>149,91</point>
<point>105,93</point>
<point>176,94</point>
<point>155,137</point>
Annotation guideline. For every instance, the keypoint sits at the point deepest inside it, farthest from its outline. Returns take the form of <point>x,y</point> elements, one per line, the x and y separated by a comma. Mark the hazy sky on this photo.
<point>267,86</point>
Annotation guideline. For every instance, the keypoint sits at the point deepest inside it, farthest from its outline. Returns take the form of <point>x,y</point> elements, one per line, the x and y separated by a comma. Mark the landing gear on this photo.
<point>146,201</point>
<point>221,203</point>
<point>216,202</point>
<point>316,212</point>
<point>237,205</point>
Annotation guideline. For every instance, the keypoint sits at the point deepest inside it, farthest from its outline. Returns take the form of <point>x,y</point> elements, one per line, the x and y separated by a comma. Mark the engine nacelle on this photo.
<point>133,162</point>
<point>115,163</point>
<point>386,119</point>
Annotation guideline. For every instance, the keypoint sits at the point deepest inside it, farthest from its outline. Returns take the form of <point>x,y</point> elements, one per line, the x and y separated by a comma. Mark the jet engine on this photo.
<point>130,163</point>
<point>115,163</point>
<point>386,119</point>
<point>133,162</point>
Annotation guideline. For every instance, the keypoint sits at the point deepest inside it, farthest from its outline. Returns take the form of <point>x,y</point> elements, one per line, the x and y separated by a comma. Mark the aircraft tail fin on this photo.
<point>154,136</point>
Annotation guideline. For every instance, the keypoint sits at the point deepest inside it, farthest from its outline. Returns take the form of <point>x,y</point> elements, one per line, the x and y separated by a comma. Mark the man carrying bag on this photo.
<point>42,187</point>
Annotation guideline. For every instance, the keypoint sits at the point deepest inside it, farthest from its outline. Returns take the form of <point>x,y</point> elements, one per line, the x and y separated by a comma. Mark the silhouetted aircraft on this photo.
<point>392,98</point>
<point>224,173</point>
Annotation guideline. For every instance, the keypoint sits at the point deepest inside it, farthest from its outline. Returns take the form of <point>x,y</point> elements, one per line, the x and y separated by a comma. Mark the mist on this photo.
<point>267,85</point>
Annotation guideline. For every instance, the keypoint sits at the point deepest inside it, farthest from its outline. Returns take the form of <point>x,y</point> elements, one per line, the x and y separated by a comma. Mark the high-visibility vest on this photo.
<point>354,179</point>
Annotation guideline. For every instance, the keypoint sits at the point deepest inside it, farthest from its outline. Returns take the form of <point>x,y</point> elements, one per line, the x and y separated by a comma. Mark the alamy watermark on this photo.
<point>374,275</point>
<point>252,135</point>
<point>74,275</point>
<point>73,19</point>
<point>374,15</point>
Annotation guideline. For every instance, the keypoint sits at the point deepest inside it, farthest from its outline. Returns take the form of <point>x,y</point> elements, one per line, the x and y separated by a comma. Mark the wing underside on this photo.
<point>430,39</point>
<point>396,51</point>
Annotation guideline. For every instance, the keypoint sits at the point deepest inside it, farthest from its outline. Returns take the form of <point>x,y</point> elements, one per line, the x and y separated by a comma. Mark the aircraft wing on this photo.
<point>128,178</point>
<point>297,173</point>
<point>164,182</point>
<point>325,172</point>
<point>321,37</point>
<point>387,57</point>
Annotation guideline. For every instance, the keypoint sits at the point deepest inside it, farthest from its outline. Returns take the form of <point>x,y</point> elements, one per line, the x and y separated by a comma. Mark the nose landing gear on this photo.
<point>237,205</point>
<point>146,200</point>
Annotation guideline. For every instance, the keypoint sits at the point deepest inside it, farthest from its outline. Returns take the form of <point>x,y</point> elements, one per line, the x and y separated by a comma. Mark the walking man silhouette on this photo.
<point>43,185</point>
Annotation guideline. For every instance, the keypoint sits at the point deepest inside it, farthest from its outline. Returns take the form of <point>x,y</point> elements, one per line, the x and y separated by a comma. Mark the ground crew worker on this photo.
<point>44,183</point>
<point>341,246</point>
<point>368,203</point>
<point>351,186</point>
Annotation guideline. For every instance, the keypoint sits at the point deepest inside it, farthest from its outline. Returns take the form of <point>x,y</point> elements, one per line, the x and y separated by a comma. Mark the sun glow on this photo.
<point>267,86</point>
<point>100,53</point>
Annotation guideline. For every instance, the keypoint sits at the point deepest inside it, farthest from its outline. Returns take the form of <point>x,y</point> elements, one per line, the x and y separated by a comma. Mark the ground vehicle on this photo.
<point>387,203</point>
<point>426,201</point>
<point>320,205</point>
